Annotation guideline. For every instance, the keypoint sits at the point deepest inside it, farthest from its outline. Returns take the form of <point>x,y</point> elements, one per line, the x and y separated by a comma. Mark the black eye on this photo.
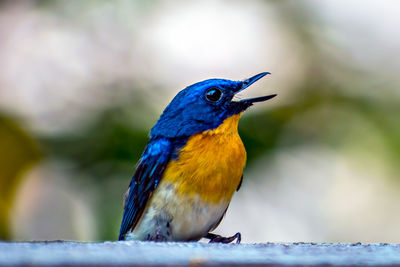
<point>213,94</point>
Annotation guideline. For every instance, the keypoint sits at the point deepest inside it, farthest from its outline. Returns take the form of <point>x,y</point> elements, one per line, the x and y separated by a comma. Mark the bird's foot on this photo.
<point>220,239</point>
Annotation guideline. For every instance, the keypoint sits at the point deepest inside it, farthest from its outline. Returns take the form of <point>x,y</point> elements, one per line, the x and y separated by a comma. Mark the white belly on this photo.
<point>177,217</point>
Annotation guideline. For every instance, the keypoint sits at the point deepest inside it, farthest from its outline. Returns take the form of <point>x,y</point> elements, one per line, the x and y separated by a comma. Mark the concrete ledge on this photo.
<point>129,253</point>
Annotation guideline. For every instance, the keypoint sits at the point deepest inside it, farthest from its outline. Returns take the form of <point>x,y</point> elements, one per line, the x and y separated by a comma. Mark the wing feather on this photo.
<point>145,180</point>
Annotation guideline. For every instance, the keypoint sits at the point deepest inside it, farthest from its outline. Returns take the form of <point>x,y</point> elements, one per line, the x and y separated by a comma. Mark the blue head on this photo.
<point>204,106</point>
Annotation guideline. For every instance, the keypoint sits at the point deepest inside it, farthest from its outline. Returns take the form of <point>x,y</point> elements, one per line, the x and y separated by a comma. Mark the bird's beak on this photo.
<point>246,83</point>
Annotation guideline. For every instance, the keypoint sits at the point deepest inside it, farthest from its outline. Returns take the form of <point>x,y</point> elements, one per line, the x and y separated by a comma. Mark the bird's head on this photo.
<point>204,106</point>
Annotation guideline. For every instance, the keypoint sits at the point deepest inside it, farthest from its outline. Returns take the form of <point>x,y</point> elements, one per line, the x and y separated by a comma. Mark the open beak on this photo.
<point>246,83</point>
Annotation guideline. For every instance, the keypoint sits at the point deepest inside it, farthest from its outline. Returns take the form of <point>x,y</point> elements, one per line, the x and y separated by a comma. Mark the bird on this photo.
<point>191,166</point>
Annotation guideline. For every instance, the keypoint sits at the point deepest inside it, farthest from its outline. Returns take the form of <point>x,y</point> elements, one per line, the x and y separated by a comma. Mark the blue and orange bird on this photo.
<point>191,166</point>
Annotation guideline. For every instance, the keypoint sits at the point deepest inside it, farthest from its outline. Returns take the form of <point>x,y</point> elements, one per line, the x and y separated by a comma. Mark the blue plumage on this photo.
<point>189,112</point>
<point>199,107</point>
<point>146,178</point>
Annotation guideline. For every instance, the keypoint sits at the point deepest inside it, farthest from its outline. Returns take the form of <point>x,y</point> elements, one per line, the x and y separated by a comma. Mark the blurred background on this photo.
<point>82,82</point>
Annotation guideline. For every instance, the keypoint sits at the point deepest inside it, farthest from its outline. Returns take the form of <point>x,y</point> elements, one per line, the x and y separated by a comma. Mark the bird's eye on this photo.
<point>213,94</point>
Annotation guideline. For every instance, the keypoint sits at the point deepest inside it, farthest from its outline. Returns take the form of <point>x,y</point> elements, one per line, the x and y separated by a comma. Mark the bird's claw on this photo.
<point>220,239</point>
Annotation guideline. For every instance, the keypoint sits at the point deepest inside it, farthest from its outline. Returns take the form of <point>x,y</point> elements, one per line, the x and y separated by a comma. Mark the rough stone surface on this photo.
<point>130,253</point>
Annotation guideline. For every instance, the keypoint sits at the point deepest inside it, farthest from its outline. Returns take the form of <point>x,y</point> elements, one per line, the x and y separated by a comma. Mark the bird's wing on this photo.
<point>145,180</point>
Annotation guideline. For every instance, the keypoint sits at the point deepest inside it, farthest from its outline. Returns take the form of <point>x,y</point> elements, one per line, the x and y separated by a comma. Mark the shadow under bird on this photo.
<point>191,167</point>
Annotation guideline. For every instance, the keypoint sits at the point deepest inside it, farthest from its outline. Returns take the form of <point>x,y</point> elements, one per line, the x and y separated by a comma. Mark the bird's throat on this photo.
<point>211,163</point>
<point>227,127</point>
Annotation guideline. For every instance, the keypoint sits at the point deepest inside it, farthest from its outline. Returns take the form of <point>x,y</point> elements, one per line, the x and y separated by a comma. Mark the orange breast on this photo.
<point>210,165</point>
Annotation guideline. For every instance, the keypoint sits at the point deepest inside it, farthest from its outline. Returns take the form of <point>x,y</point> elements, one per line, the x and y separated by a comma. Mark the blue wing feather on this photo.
<point>145,180</point>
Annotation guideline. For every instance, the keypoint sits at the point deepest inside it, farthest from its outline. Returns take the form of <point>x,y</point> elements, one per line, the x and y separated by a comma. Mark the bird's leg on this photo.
<point>220,239</point>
